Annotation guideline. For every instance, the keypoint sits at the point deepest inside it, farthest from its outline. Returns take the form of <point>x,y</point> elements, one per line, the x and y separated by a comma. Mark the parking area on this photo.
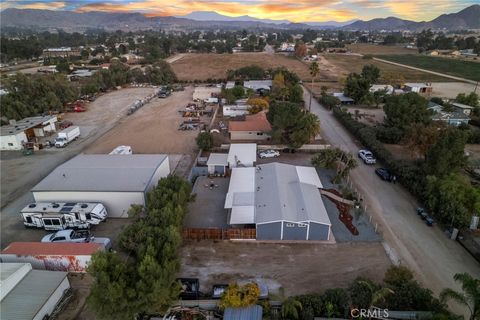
<point>297,268</point>
<point>207,211</point>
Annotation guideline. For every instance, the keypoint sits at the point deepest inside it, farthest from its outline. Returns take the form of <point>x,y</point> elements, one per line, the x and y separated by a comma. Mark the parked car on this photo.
<point>429,221</point>
<point>384,174</point>
<point>424,215</point>
<point>65,124</point>
<point>268,154</point>
<point>367,157</point>
<point>76,236</point>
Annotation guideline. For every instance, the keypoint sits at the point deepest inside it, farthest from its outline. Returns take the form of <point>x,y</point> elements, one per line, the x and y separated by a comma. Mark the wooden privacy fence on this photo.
<point>218,234</point>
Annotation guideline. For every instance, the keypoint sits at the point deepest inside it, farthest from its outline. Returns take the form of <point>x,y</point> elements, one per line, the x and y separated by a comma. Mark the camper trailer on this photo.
<point>60,216</point>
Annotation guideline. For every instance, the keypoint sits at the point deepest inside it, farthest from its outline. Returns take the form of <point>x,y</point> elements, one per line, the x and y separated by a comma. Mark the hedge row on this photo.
<point>410,174</point>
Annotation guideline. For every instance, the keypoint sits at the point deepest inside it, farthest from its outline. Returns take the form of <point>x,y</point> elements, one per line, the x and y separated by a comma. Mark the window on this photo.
<point>302,225</point>
<point>289,225</point>
<point>47,222</point>
<point>88,216</point>
<point>56,222</point>
<point>76,216</point>
<point>10,144</point>
<point>29,219</point>
<point>59,239</point>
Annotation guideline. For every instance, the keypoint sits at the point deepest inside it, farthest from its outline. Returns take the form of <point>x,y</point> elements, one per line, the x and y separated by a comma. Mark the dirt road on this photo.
<point>298,268</point>
<point>427,251</point>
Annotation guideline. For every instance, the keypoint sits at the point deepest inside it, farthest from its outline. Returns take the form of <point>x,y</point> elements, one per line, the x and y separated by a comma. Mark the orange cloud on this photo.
<point>56,5</point>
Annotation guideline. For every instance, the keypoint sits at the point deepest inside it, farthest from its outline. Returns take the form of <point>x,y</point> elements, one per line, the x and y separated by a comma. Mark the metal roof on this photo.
<point>284,193</point>
<point>30,294</point>
<point>242,153</point>
<point>24,124</point>
<point>461,105</point>
<point>249,313</point>
<point>52,248</point>
<point>107,173</point>
<point>217,159</point>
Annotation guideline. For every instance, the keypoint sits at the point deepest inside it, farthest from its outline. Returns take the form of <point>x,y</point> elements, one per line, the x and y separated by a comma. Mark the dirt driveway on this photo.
<point>298,268</point>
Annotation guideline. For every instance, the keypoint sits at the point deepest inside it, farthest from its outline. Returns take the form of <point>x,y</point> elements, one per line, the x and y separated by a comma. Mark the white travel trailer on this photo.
<point>60,216</point>
<point>122,150</point>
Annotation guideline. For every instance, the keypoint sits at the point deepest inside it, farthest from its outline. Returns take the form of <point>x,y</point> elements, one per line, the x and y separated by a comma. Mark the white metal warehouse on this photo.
<point>117,181</point>
<point>30,294</point>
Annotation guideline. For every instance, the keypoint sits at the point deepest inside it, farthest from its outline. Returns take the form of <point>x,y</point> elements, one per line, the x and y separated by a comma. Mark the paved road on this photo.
<point>427,251</point>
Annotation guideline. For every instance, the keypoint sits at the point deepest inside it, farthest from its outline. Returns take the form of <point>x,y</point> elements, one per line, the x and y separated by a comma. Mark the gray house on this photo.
<point>282,201</point>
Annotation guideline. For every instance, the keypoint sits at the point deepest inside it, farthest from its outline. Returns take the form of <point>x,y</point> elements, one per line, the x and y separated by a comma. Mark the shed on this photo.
<point>217,163</point>
<point>242,155</point>
<point>249,313</point>
<point>343,98</point>
<point>116,181</point>
<point>460,107</point>
<point>30,294</point>
<point>58,256</point>
<point>15,134</point>
<point>418,87</point>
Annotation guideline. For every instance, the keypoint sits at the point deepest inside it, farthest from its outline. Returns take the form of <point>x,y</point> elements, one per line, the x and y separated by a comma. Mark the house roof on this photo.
<point>253,122</point>
<point>217,159</point>
<point>461,105</point>
<point>242,153</point>
<point>103,172</point>
<point>258,84</point>
<point>288,193</point>
<point>275,192</point>
<point>24,124</point>
<point>343,98</point>
<point>48,248</point>
<point>445,116</point>
<point>36,287</point>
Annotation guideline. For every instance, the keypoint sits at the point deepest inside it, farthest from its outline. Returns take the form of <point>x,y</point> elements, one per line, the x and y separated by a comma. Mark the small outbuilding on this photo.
<point>418,87</point>
<point>344,100</point>
<point>217,163</point>
<point>17,133</point>
<point>116,181</point>
<point>463,108</point>
<point>254,312</point>
<point>242,155</point>
<point>28,294</point>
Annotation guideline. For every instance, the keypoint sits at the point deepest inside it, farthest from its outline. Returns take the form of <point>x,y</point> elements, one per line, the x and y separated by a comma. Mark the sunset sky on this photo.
<point>293,10</point>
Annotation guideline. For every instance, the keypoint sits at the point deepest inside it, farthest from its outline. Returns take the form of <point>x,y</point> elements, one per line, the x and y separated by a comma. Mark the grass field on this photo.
<point>350,63</point>
<point>465,69</point>
<point>374,49</point>
<point>215,66</point>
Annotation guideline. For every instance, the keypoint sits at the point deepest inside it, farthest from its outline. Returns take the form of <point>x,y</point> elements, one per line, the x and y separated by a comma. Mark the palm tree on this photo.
<point>470,296</point>
<point>314,70</point>
<point>290,309</point>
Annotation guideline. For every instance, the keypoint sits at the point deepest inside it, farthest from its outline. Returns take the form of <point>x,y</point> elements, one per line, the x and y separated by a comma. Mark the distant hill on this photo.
<point>468,18</point>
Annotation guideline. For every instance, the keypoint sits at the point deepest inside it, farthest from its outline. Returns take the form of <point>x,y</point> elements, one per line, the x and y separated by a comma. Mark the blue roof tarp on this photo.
<point>250,313</point>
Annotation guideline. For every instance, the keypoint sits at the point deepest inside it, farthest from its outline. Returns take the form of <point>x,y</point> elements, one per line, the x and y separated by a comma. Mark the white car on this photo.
<point>268,154</point>
<point>367,157</point>
<point>76,236</point>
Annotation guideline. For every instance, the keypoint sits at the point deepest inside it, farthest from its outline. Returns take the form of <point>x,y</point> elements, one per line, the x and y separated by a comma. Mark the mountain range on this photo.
<point>468,18</point>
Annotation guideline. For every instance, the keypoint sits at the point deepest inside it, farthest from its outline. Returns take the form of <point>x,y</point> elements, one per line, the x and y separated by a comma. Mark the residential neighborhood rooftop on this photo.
<point>254,122</point>
<point>24,124</point>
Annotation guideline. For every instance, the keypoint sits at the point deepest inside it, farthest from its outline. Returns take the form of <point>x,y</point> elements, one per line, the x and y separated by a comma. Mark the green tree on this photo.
<point>472,99</point>
<point>470,297</point>
<point>371,73</point>
<point>292,125</point>
<point>236,296</point>
<point>419,137</point>
<point>296,94</point>
<point>279,87</point>
<point>314,70</point>
<point>356,87</point>
<point>404,110</point>
<point>447,154</point>
<point>204,140</point>
<point>452,199</point>
<point>291,308</point>
<point>343,161</point>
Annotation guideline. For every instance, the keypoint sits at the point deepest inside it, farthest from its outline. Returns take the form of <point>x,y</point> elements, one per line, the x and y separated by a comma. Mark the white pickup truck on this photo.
<point>77,236</point>
<point>66,136</point>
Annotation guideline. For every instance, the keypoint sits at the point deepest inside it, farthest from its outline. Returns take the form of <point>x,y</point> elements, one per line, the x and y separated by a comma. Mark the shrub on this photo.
<point>204,140</point>
<point>389,134</point>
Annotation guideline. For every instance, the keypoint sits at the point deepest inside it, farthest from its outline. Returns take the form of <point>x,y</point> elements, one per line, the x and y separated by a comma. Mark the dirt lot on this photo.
<point>153,129</point>
<point>298,268</point>
<point>205,66</point>
<point>365,48</point>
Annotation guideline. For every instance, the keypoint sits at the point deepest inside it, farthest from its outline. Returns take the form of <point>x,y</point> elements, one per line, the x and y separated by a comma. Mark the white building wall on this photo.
<point>162,171</point>
<point>51,303</point>
<point>13,142</point>
<point>117,203</point>
<point>246,135</point>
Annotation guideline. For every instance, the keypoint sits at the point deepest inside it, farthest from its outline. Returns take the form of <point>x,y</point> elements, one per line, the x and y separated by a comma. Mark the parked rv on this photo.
<point>76,236</point>
<point>66,136</point>
<point>60,216</point>
<point>122,150</point>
